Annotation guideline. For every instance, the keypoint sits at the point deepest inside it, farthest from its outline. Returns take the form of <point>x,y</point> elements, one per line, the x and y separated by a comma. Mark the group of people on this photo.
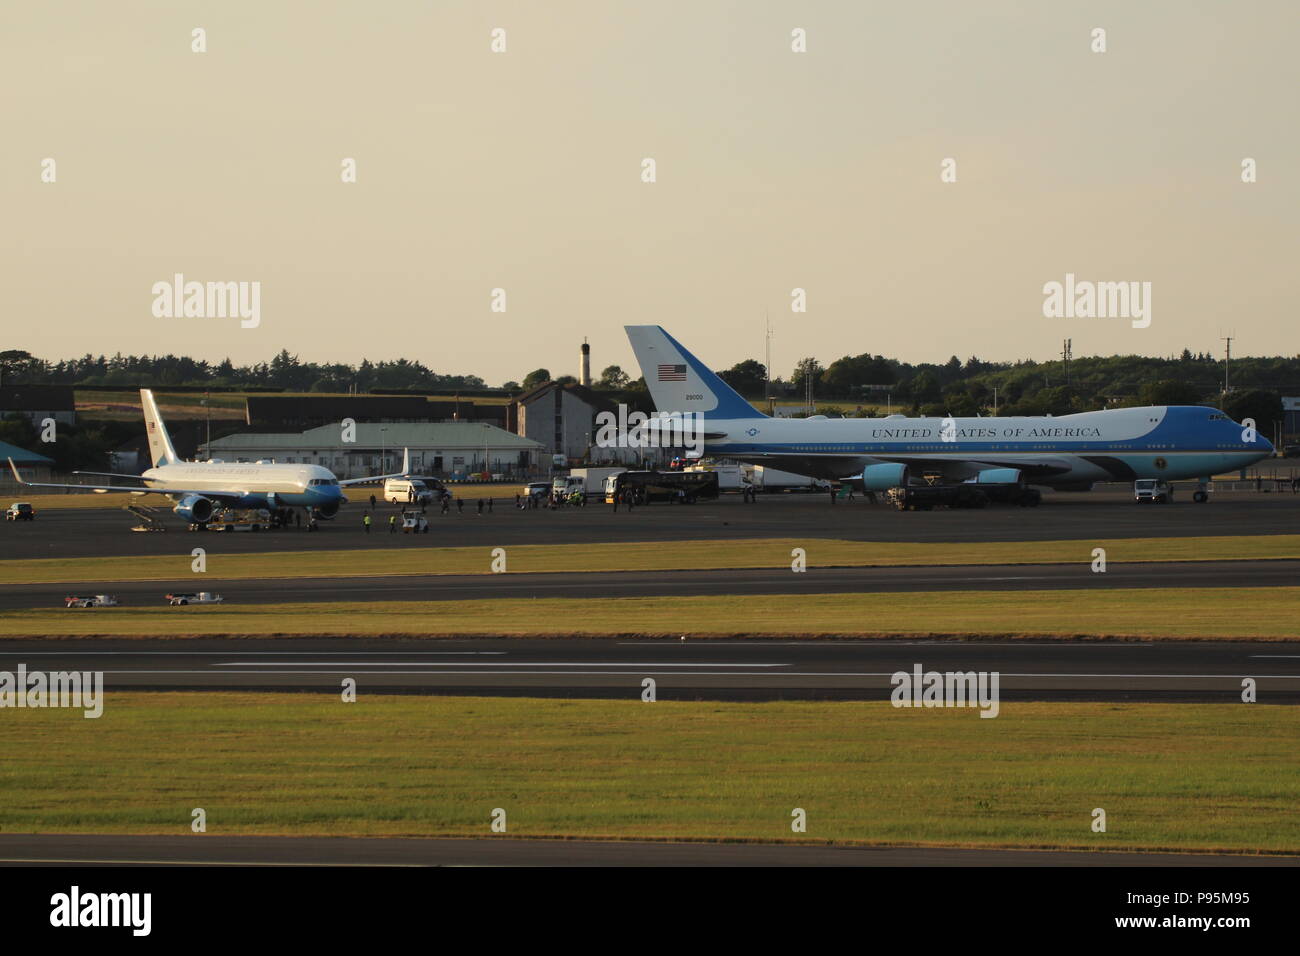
<point>445,500</point>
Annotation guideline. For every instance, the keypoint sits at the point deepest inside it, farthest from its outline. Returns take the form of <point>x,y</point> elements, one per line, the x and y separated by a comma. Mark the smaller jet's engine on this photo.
<point>998,476</point>
<point>883,477</point>
<point>194,508</point>
<point>328,510</point>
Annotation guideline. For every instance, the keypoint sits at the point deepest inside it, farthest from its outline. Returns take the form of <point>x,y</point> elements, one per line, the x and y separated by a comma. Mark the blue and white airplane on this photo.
<point>1069,452</point>
<point>200,488</point>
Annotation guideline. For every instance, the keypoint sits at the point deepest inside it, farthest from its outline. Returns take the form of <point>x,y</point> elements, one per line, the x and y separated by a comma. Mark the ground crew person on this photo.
<point>365,519</point>
<point>392,523</point>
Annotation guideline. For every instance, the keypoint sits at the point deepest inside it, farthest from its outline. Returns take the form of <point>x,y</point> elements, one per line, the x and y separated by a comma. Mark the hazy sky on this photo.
<point>522,170</point>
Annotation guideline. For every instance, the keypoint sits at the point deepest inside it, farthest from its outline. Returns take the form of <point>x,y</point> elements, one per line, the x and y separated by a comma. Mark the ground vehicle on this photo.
<point>240,519</point>
<point>773,479</point>
<point>586,481</point>
<point>1291,451</point>
<point>90,600</point>
<point>646,486</point>
<point>20,511</point>
<point>537,489</point>
<point>730,477</point>
<point>414,522</point>
<point>1153,489</point>
<point>193,597</point>
<point>409,490</point>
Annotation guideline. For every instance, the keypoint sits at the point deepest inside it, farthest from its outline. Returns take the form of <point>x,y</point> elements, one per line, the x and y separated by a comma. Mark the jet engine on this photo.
<point>194,508</point>
<point>998,476</point>
<point>883,477</point>
<point>328,510</point>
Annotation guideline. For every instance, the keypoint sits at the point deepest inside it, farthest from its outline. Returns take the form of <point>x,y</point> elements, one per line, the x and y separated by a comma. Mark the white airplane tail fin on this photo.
<point>160,443</point>
<point>679,382</point>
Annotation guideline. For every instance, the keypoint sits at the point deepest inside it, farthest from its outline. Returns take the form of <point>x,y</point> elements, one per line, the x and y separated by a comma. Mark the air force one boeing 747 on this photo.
<point>199,488</point>
<point>1069,452</point>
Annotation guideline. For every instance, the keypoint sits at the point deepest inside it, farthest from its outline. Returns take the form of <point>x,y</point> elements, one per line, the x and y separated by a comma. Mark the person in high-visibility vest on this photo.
<point>365,519</point>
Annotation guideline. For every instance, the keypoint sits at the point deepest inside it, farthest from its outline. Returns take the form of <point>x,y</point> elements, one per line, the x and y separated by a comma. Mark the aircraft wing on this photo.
<point>406,470</point>
<point>959,469</point>
<point>138,490</point>
<point>107,474</point>
<point>834,466</point>
<point>814,466</point>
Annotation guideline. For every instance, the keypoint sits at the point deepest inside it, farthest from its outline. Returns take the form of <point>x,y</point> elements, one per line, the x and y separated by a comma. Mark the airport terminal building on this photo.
<point>438,449</point>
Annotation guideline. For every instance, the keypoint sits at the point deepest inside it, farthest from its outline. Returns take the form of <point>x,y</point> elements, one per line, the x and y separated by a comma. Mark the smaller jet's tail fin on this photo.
<point>17,477</point>
<point>406,462</point>
<point>679,382</point>
<point>160,443</point>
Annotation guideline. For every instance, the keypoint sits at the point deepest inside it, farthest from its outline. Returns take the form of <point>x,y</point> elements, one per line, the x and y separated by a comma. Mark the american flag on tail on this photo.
<point>672,373</point>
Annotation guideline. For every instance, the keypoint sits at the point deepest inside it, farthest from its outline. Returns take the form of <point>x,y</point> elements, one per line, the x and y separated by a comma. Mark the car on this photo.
<point>1291,451</point>
<point>1153,489</point>
<point>537,489</point>
<point>193,597</point>
<point>414,522</point>
<point>418,491</point>
<point>20,511</point>
<point>90,600</point>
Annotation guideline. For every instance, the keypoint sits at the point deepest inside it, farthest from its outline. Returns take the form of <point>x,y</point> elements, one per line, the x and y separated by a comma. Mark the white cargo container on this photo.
<point>730,477</point>
<point>588,481</point>
<point>770,479</point>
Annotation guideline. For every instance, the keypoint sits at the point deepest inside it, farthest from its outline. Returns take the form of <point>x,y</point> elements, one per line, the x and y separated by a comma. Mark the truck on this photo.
<point>1153,489</point>
<point>182,598</point>
<point>240,519</point>
<point>90,600</point>
<point>585,481</point>
<point>685,487</point>
<point>730,477</point>
<point>927,497</point>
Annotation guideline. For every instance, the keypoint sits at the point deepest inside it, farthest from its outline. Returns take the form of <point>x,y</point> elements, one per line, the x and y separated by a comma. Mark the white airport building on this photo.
<point>438,449</point>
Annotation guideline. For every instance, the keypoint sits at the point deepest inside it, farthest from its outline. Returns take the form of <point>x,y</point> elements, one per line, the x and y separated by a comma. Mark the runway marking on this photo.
<point>503,664</point>
<point>877,644</point>
<point>226,653</point>
<point>786,674</point>
<point>1286,656</point>
<point>186,862</point>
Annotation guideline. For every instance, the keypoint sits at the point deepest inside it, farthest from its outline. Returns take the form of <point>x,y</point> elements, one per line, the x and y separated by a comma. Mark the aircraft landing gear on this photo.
<point>1201,495</point>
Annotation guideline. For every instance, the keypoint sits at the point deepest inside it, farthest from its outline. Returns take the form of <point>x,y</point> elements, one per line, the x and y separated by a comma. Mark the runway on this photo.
<point>612,584</point>
<point>21,849</point>
<point>1063,516</point>
<point>682,670</point>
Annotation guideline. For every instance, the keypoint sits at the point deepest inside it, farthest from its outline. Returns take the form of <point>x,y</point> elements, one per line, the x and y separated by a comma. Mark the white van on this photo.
<point>407,491</point>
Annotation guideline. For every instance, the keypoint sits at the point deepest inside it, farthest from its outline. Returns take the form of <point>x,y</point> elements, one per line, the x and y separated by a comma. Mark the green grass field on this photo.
<point>421,555</point>
<point>1169,776</point>
<point>1170,613</point>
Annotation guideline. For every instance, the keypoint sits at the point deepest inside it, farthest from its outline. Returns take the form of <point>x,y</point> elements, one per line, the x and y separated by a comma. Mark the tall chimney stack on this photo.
<point>584,366</point>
